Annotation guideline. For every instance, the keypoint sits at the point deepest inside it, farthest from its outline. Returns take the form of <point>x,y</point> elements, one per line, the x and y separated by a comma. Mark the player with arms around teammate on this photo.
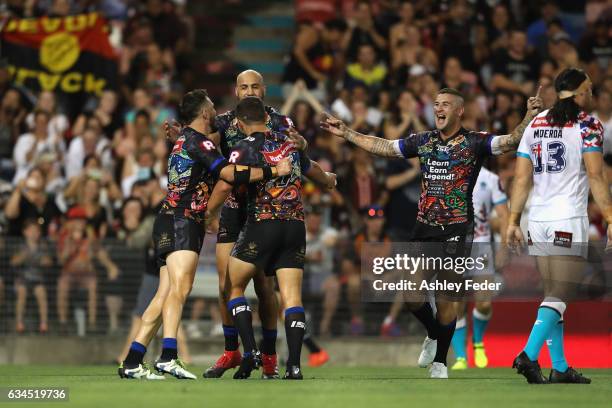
<point>194,166</point>
<point>561,154</point>
<point>273,239</point>
<point>450,158</point>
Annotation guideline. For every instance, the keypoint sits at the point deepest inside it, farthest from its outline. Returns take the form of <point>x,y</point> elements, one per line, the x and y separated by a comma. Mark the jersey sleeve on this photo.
<point>498,195</point>
<point>486,144</point>
<point>523,149</point>
<point>203,150</point>
<point>592,132</point>
<point>407,147</point>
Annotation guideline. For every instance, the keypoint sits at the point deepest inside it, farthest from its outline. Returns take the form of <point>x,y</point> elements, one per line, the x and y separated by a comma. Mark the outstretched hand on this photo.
<point>283,167</point>
<point>298,140</point>
<point>333,125</point>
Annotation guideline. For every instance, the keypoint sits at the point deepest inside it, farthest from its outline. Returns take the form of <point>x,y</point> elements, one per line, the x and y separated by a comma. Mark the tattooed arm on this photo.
<point>372,144</point>
<point>509,143</point>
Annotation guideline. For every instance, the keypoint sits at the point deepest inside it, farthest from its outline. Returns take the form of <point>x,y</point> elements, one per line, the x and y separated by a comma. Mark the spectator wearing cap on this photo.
<point>30,200</point>
<point>373,218</point>
<point>515,69</point>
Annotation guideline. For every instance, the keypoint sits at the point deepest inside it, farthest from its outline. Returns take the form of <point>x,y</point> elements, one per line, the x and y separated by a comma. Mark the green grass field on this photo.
<point>99,386</point>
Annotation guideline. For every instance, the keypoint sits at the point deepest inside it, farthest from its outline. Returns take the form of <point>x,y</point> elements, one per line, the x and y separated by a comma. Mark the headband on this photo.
<point>571,94</point>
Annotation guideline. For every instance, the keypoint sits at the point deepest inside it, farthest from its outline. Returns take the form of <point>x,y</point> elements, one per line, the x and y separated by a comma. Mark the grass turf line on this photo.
<point>99,386</point>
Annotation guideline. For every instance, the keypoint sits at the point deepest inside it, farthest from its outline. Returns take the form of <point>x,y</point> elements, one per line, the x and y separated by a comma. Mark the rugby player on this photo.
<point>249,83</point>
<point>193,168</point>
<point>451,158</point>
<point>488,194</point>
<point>561,154</point>
<point>273,239</point>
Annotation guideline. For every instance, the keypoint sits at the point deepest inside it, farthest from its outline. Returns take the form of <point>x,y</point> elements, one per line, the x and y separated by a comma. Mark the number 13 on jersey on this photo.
<point>554,154</point>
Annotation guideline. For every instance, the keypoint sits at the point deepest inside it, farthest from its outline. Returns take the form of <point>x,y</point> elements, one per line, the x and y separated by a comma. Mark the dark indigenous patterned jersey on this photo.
<point>449,170</point>
<point>193,168</point>
<point>230,134</point>
<point>279,198</point>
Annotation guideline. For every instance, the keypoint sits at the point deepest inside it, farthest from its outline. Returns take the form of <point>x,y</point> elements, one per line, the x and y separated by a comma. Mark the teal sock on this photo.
<point>546,320</point>
<point>555,348</point>
<point>480,322</point>
<point>459,339</point>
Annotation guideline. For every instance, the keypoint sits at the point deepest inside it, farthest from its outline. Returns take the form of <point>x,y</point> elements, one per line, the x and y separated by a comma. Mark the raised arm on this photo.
<point>509,143</point>
<point>376,145</point>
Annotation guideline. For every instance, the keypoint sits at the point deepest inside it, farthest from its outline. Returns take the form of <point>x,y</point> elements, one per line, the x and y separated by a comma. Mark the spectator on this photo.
<point>58,122</point>
<point>92,169</point>
<point>319,266</point>
<point>78,250</point>
<point>498,29</point>
<point>366,71</point>
<point>536,32</point>
<point>597,47</point>
<point>410,52</point>
<point>313,58</point>
<point>12,117</point>
<point>29,200</point>
<point>374,222</point>
<point>514,68</point>
<point>105,111</point>
<point>31,262</point>
<point>455,77</point>
<point>30,147</point>
<point>456,38</point>
<point>363,30</point>
<point>89,143</point>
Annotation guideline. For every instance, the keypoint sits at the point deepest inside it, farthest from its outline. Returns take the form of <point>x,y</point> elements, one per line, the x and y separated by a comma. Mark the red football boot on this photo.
<point>229,360</point>
<point>270,367</point>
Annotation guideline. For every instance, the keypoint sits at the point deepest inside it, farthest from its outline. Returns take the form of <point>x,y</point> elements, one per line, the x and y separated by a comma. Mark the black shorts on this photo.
<point>456,239</point>
<point>272,245</point>
<point>453,241</point>
<point>172,232</point>
<point>230,224</point>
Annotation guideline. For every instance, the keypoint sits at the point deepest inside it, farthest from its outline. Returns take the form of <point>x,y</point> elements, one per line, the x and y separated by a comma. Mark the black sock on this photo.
<point>135,355</point>
<point>445,335</point>
<point>426,316</point>
<point>243,320</point>
<point>295,323</point>
<point>311,345</point>
<point>231,338</point>
<point>268,343</point>
<point>169,349</point>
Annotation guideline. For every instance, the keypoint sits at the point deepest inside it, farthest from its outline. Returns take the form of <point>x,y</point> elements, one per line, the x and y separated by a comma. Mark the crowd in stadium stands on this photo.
<point>78,196</point>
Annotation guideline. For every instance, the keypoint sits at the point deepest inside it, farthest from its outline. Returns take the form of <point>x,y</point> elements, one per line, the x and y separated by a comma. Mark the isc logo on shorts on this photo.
<point>241,308</point>
<point>563,239</point>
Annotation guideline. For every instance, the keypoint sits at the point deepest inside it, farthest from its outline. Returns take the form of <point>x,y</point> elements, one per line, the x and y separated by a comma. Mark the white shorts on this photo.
<point>567,237</point>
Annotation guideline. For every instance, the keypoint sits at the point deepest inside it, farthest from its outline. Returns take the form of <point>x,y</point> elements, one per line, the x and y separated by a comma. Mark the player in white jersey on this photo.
<point>488,194</point>
<point>561,150</point>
